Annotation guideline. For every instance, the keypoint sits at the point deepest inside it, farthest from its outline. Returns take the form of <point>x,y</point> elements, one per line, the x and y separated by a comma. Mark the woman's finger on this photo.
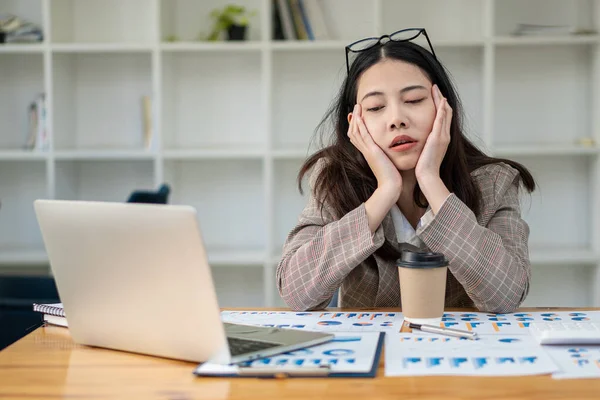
<point>436,96</point>
<point>438,123</point>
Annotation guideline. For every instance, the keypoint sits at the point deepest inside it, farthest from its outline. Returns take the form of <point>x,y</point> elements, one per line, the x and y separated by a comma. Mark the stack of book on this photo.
<point>299,20</point>
<point>16,30</point>
<point>54,314</point>
<point>549,30</point>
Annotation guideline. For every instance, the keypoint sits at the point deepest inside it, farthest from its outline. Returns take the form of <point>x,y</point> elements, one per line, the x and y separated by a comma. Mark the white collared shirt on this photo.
<point>405,233</point>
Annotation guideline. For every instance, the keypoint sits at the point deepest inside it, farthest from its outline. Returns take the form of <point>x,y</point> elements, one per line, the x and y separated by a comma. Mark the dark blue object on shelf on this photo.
<point>161,196</point>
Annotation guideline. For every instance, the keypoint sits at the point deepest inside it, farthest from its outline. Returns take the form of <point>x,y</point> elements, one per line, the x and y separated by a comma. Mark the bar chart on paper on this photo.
<point>490,355</point>
<point>511,323</point>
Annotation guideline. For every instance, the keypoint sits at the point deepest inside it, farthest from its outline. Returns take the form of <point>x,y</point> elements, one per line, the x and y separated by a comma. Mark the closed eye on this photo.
<point>416,101</point>
<point>377,108</point>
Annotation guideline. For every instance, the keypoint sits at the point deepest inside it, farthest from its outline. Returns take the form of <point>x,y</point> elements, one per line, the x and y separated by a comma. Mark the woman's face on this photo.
<point>398,109</point>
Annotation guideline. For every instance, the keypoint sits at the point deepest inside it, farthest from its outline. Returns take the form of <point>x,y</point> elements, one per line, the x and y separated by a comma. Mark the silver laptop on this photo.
<point>135,277</point>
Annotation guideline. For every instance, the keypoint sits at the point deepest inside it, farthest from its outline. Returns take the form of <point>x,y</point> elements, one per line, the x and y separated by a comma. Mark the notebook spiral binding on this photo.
<point>50,309</point>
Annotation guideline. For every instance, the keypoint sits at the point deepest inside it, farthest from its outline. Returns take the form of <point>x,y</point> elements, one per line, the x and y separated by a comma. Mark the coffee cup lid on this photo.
<point>414,259</point>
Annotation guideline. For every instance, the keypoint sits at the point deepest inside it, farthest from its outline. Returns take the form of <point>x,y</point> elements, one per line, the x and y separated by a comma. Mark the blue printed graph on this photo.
<point>520,315</point>
<point>338,352</point>
<point>509,340</point>
<point>528,360</point>
<point>362,324</point>
<point>456,362</point>
<point>480,362</point>
<point>505,360</point>
<point>329,323</point>
<point>408,362</point>
<point>433,361</point>
<point>347,339</point>
<point>299,352</point>
<point>577,350</point>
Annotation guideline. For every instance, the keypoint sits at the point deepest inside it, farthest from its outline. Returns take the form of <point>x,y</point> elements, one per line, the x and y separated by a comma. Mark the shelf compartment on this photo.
<point>439,18</point>
<point>108,21</point>
<point>289,202</point>
<point>465,67</point>
<point>542,97</point>
<point>239,286</point>
<point>567,257</point>
<point>190,21</point>
<point>98,100</point>
<point>574,289</point>
<point>109,180</point>
<point>22,183</point>
<point>303,88</point>
<point>557,211</point>
<point>212,100</point>
<point>509,13</point>
<point>21,81</point>
<point>229,199</point>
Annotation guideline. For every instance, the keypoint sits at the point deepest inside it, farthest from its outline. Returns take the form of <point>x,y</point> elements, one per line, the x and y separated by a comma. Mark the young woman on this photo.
<point>399,173</point>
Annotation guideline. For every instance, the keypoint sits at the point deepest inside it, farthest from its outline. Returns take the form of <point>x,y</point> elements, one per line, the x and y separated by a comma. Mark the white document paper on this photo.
<point>514,323</point>
<point>351,353</point>
<point>325,321</point>
<point>575,361</point>
<point>490,355</point>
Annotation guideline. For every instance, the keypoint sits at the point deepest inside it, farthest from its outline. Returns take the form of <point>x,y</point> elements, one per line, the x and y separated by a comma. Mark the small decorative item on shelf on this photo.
<point>233,19</point>
<point>586,142</point>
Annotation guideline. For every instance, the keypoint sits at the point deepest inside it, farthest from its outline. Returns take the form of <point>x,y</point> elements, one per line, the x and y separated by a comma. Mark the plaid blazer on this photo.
<point>489,258</point>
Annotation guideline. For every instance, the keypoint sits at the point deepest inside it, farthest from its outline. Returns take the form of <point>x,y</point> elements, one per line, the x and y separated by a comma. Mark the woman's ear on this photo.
<point>349,118</point>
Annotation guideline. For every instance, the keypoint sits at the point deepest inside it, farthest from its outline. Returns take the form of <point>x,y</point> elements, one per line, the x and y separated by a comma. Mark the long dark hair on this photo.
<point>346,180</point>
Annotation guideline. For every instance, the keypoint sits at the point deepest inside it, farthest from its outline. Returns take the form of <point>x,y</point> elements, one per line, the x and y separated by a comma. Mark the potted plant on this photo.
<point>232,19</point>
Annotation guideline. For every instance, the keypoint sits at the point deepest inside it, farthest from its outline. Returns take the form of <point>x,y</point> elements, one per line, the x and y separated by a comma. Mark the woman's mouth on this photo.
<point>402,143</point>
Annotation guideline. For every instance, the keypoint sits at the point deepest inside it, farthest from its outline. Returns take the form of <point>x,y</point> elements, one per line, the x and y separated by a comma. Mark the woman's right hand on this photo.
<point>388,177</point>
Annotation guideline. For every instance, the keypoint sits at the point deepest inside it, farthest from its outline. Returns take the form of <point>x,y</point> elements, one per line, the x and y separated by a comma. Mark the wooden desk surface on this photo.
<point>47,364</point>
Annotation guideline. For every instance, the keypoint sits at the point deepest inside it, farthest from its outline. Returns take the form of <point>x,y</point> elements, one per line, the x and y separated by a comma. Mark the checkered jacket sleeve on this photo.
<point>489,257</point>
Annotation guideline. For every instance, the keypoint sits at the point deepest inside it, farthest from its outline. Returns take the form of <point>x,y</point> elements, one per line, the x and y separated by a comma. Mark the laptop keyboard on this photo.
<point>243,346</point>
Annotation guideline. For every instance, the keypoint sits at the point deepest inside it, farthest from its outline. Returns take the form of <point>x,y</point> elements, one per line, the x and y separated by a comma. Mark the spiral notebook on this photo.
<point>51,309</point>
<point>54,313</point>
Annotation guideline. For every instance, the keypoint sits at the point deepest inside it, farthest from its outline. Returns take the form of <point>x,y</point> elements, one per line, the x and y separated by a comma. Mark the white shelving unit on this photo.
<point>233,121</point>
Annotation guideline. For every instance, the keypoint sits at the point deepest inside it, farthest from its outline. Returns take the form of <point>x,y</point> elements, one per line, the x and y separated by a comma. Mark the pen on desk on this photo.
<point>283,372</point>
<point>444,331</point>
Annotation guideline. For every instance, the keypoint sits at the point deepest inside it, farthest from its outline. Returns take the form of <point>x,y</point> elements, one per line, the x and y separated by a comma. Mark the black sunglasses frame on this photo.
<point>381,39</point>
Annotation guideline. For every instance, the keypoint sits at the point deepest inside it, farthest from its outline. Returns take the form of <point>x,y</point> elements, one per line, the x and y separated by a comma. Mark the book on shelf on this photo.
<point>54,313</point>
<point>527,29</point>
<point>147,123</point>
<point>37,126</point>
<point>299,19</point>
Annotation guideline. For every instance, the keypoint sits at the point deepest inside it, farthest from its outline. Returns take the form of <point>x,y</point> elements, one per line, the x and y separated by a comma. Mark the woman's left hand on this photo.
<point>430,160</point>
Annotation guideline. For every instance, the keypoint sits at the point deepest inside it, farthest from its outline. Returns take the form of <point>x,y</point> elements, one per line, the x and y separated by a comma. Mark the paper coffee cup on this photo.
<point>422,286</point>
